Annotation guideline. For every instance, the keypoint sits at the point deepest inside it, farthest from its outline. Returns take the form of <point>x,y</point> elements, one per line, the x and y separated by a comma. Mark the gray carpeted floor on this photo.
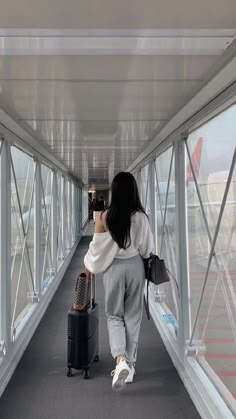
<point>40,389</point>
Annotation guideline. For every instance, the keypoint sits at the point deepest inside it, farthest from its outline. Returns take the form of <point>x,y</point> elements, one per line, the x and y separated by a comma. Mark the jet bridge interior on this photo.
<point>89,89</point>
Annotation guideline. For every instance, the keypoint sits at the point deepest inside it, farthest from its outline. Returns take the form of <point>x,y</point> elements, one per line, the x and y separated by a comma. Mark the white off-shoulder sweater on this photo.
<point>103,249</point>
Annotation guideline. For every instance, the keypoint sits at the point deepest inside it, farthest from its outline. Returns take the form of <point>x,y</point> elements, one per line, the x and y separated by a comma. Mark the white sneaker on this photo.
<point>120,374</point>
<point>130,377</point>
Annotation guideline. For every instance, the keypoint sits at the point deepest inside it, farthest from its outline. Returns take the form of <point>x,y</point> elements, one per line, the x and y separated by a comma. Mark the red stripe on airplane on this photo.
<point>226,373</point>
<point>195,159</point>
<point>226,356</point>
<point>218,340</point>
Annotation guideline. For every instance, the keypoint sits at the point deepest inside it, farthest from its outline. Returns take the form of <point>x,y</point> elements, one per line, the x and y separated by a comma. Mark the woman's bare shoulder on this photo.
<point>100,225</point>
<point>104,216</point>
<point>139,219</point>
<point>138,215</point>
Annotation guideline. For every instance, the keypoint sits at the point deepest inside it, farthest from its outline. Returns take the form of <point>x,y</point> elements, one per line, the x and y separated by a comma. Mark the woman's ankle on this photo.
<point>119,358</point>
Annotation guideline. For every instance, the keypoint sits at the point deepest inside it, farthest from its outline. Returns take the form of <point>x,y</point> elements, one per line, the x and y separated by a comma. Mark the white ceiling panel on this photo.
<point>97,113</point>
<point>122,14</point>
<point>86,91</point>
<point>106,68</point>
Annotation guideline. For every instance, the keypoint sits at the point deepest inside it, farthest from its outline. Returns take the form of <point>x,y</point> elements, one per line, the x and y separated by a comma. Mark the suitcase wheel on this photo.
<point>69,372</point>
<point>96,359</point>
<point>86,373</point>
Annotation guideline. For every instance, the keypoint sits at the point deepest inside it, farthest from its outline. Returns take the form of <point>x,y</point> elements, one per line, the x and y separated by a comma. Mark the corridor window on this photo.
<point>68,215</point>
<point>146,189</point>
<point>23,170</point>
<point>59,198</point>
<point>46,264</point>
<point>1,279</point>
<point>84,206</point>
<point>74,212</point>
<point>144,185</point>
<point>80,208</point>
<point>165,224</point>
<point>210,158</point>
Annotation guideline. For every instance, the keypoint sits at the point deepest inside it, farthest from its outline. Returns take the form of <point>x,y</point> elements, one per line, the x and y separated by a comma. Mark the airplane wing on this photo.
<point>210,204</point>
<point>172,207</point>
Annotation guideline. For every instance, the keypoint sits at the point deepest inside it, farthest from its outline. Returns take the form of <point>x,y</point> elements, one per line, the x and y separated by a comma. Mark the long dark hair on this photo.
<point>125,201</point>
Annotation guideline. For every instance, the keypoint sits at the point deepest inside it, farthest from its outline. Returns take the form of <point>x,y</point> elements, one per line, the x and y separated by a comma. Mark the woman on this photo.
<point>122,238</point>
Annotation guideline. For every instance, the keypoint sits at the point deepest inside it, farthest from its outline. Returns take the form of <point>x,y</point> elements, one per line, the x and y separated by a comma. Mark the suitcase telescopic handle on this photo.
<point>93,290</point>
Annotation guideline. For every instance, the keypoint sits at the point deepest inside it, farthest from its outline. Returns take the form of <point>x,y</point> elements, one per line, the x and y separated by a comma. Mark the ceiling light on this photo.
<point>172,42</point>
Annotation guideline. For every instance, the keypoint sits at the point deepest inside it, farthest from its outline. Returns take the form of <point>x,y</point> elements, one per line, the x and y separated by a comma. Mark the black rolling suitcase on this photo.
<point>83,336</point>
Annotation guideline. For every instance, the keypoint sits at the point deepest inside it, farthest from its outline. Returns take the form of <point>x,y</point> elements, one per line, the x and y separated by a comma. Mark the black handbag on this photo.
<point>155,270</point>
<point>157,273</point>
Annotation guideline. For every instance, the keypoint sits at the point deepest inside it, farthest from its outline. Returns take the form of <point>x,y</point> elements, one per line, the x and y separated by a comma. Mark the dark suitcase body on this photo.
<point>82,339</point>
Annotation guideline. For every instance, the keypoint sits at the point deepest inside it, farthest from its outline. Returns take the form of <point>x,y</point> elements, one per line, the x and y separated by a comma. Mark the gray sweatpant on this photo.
<point>124,286</point>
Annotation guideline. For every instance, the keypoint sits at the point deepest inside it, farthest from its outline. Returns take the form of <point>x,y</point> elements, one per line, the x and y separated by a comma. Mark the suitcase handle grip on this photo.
<point>93,290</point>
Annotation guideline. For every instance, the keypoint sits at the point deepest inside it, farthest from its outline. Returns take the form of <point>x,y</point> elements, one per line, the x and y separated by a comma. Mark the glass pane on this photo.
<point>67,214</point>
<point>211,150</point>
<point>70,214</point>
<point>198,240</point>
<point>46,231</point>
<point>77,211</point>
<point>165,222</point>
<point>144,180</point>
<point>163,163</point>
<point>80,208</point>
<point>74,213</point>
<point>84,206</point>
<point>22,233</point>
<point>1,144</point>
<point>148,202</point>
<point>60,250</point>
<point>72,220</point>
<point>217,319</point>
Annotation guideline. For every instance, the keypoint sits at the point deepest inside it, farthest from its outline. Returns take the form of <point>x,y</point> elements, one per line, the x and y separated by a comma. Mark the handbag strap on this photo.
<point>146,301</point>
<point>176,283</point>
